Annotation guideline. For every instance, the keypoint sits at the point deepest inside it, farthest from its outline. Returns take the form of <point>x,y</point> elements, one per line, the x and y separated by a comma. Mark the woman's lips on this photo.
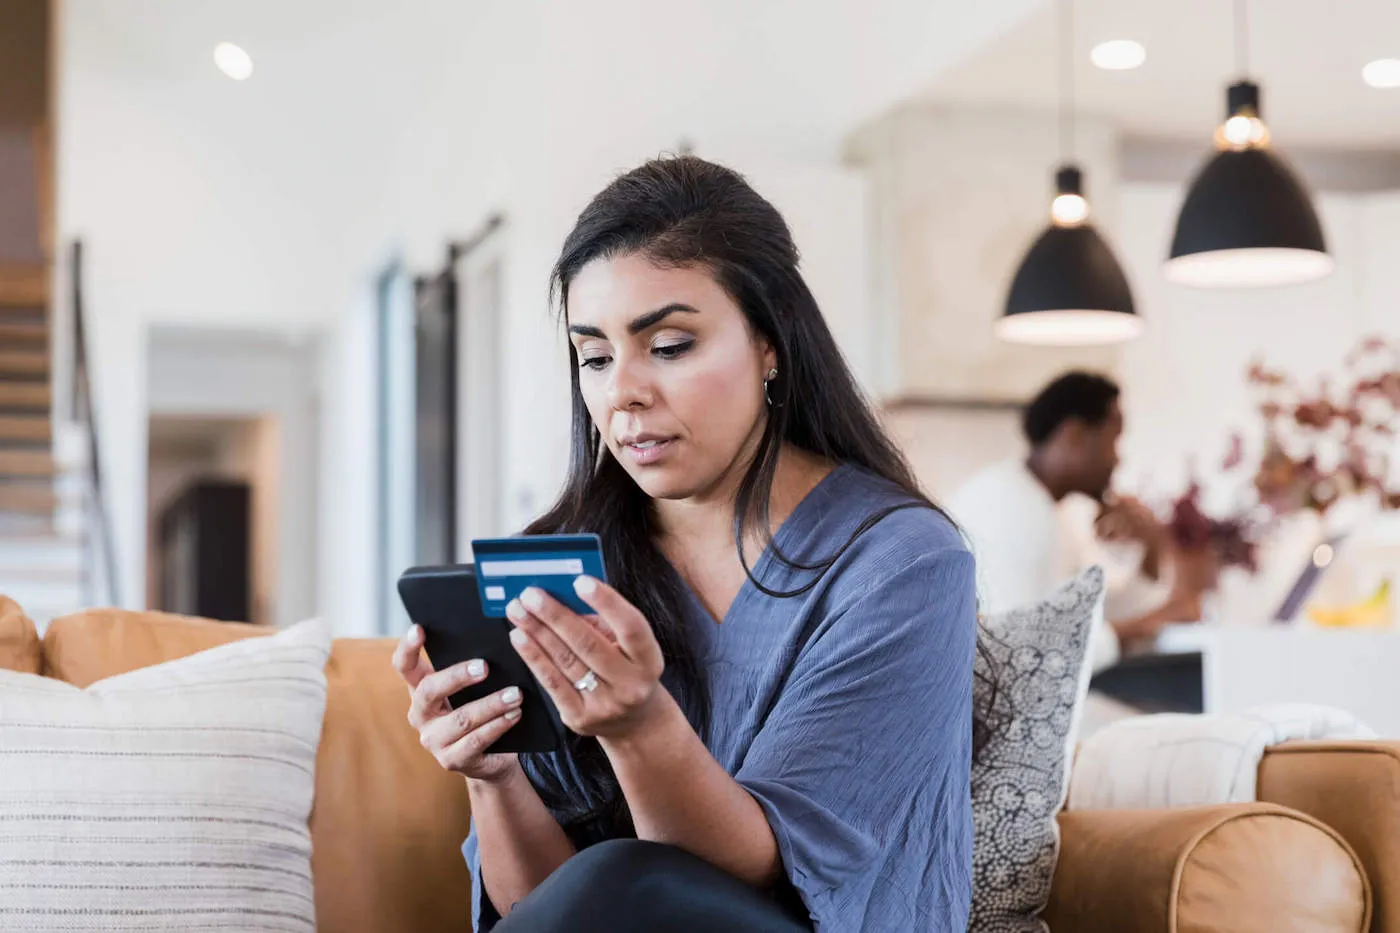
<point>649,453</point>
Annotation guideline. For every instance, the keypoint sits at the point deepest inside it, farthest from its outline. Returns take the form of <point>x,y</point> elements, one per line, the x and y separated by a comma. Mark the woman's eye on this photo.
<point>669,351</point>
<point>594,363</point>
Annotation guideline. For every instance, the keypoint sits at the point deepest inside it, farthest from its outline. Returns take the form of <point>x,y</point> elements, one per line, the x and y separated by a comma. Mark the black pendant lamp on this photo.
<point>1069,289</point>
<point>1248,220</point>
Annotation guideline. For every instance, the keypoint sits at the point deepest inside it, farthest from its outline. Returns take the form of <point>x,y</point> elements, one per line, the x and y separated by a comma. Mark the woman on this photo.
<point>772,709</point>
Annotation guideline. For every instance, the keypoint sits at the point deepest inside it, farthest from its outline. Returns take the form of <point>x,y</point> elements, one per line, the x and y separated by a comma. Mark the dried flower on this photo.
<point>1320,447</point>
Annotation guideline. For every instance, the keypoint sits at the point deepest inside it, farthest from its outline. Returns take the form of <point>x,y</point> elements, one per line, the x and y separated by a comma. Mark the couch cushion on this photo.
<point>175,797</point>
<point>1353,787</point>
<point>1033,672</point>
<point>388,823</point>
<point>99,643</point>
<point>1225,869</point>
<point>19,641</point>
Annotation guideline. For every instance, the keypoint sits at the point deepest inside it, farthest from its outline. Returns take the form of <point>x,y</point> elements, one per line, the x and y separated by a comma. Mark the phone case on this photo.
<point>446,603</point>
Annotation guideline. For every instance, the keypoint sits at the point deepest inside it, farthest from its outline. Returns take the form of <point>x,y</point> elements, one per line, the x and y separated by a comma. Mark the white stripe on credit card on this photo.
<point>562,567</point>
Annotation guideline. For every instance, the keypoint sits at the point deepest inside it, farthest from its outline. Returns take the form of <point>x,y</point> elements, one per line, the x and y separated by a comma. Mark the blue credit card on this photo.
<point>506,567</point>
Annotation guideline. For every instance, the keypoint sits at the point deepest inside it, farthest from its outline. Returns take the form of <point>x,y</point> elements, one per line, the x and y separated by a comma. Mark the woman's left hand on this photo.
<point>616,647</point>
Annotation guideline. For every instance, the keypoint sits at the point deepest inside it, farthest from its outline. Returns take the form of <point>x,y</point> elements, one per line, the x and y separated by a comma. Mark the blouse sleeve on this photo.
<point>863,764</point>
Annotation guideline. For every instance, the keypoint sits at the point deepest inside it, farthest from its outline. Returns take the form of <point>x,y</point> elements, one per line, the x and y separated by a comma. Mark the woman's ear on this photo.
<point>770,358</point>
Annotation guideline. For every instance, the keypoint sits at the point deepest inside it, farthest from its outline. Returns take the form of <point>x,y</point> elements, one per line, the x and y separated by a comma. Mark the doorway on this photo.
<point>230,411</point>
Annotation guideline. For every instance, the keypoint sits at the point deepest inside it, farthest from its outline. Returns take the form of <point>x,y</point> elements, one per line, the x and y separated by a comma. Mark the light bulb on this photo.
<point>1242,132</point>
<point>1382,73</point>
<point>1118,55</point>
<point>233,61</point>
<point>1069,210</point>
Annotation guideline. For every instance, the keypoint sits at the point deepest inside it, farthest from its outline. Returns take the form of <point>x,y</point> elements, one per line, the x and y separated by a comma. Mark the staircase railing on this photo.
<point>99,546</point>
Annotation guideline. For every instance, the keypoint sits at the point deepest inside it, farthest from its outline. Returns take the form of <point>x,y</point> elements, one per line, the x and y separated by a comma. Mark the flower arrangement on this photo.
<point>1321,445</point>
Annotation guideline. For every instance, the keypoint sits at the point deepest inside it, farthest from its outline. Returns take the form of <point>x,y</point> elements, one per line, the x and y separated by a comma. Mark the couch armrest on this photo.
<point>1238,867</point>
<point>1354,787</point>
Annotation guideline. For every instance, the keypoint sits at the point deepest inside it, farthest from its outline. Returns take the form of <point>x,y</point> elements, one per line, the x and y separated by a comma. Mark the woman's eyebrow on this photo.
<point>645,322</point>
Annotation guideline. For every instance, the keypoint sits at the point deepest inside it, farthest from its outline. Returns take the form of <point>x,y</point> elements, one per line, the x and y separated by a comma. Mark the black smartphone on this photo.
<point>446,602</point>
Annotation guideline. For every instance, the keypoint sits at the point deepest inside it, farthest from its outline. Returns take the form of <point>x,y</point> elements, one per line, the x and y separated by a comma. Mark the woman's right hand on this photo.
<point>457,738</point>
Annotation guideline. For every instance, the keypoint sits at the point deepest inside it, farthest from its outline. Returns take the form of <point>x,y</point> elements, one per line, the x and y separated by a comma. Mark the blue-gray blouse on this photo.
<point>847,711</point>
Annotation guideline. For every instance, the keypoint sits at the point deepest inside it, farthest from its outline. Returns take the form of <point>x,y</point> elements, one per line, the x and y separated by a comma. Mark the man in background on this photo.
<point>1029,534</point>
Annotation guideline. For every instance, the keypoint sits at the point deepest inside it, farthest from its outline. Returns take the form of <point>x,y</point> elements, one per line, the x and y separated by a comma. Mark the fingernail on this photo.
<point>532,598</point>
<point>585,586</point>
<point>513,715</point>
<point>415,632</point>
<point>476,668</point>
<point>515,610</point>
<point>510,696</point>
<point>518,638</point>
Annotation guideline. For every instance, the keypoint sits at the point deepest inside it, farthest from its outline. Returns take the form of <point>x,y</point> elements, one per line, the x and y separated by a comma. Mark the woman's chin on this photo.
<point>666,482</point>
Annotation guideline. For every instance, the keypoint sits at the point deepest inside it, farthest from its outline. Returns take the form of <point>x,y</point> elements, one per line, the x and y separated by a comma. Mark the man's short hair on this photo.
<point>1085,396</point>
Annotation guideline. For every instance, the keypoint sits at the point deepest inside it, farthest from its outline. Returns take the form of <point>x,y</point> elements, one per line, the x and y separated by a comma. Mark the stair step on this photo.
<point>24,285</point>
<point>43,600</point>
<point>19,395</point>
<point>14,331</point>
<point>25,428</point>
<point>27,463</point>
<point>24,315</point>
<point>43,553</point>
<point>28,499</point>
<point>24,362</point>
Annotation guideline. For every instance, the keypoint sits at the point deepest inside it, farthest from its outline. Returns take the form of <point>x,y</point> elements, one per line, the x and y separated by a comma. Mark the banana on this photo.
<point>1374,611</point>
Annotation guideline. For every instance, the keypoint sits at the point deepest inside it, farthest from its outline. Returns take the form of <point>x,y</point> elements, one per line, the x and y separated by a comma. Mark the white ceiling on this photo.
<point>1306,54</point>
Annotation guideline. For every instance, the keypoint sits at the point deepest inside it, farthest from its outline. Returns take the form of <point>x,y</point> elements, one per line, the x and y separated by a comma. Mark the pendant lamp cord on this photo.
<point>1066,81</point>
<point>1242,38</point>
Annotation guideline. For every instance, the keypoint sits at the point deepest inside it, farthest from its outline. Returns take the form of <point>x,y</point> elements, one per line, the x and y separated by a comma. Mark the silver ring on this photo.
<point>587,683</point>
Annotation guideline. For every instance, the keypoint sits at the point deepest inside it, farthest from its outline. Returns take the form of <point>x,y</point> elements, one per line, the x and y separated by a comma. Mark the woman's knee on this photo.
<point>612,886</point>
<point>628,868</point>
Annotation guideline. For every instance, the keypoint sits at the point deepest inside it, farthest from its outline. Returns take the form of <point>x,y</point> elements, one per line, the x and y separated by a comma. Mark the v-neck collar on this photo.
<point>793,532</point>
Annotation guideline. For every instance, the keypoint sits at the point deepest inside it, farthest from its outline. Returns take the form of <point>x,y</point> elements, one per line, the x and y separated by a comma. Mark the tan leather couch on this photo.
<point>387,822</point>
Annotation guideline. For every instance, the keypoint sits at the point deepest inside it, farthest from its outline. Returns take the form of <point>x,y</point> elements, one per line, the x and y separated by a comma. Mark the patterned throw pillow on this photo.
<point>1037,661</point>
<point>173,797</point>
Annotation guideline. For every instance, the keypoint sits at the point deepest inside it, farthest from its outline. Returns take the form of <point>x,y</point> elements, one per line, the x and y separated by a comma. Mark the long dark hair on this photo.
<point>686,212</point>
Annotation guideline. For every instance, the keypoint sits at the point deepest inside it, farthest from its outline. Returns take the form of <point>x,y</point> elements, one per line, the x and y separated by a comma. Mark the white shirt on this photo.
<point>1026,545</point>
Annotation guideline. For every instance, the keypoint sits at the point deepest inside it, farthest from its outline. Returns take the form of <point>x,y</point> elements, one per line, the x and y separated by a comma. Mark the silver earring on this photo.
<point>772,374</point>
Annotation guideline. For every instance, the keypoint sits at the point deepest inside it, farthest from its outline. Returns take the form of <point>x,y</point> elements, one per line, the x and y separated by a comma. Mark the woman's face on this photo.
<point>670,371</point>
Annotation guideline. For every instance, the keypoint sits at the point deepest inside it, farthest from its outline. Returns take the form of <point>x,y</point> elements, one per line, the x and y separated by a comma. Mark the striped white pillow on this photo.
<point>173,797</point>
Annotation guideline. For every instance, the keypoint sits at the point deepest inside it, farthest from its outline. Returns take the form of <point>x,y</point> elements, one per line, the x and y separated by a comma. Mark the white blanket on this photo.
<point>1176,760</point>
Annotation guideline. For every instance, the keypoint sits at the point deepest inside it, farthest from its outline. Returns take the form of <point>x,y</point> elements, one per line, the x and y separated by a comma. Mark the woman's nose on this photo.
<point>630,387</point>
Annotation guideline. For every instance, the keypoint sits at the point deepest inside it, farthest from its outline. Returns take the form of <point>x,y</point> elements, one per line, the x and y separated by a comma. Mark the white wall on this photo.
<point>369,128</point>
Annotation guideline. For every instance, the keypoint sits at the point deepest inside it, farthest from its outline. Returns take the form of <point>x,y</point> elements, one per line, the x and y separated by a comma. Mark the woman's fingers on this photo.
<point>575,645</point>
<point>430,696</point>
<point>410,662</point>
<point>450,728</point>
<point>633,632</point>
<point>460,754</point>
<point>559,687</point>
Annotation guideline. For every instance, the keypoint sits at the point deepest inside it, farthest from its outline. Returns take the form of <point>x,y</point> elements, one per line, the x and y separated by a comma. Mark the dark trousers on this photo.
<point>627,886</point>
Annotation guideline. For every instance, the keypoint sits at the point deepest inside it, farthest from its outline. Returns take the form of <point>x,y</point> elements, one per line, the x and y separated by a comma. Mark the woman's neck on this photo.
<point>704,527</point>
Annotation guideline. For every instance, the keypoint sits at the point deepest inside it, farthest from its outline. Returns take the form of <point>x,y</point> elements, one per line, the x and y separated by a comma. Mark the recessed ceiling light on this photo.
<point>233,61</point>
<point>1118,54</point>
<point>1383,73</point>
